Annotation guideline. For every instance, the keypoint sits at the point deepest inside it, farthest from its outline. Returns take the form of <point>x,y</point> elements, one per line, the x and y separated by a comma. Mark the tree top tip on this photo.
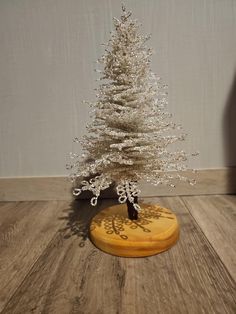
<point>123,7</point>
<point>125,14</point>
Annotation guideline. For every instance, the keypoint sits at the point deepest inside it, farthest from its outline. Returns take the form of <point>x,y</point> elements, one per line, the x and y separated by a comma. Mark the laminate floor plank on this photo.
<point>7,211</point>
<point>216,215</point>
<point>73,276</point>
<point>26,228</point>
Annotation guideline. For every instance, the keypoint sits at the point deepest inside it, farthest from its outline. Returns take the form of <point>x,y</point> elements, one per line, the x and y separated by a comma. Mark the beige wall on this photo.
<point>48,50</point>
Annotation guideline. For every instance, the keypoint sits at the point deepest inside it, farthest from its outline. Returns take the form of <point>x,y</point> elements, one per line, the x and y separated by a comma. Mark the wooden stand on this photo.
<point>155,231</point>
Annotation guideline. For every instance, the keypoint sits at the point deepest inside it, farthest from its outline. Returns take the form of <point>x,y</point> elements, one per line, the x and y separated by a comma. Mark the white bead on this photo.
<point>93,201</point>
<point>76,192</point>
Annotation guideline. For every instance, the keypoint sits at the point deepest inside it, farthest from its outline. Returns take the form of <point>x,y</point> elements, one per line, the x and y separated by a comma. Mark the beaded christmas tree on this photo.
<point>130,132</point>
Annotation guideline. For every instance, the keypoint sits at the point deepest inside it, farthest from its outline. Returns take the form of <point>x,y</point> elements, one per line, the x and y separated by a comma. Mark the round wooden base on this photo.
<point>155,231</point>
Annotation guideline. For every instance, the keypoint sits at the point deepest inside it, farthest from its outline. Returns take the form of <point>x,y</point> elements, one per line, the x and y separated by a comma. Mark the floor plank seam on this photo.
<point>203,233</point>
<point>31,268</point>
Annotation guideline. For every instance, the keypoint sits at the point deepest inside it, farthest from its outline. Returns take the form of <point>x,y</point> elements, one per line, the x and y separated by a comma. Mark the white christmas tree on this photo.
<point>128,137</point>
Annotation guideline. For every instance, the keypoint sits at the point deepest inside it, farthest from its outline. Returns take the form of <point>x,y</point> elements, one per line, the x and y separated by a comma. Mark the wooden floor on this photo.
<point>48,264</point>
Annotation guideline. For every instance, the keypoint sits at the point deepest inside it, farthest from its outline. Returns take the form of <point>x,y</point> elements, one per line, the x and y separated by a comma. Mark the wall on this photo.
<point>48,51</point>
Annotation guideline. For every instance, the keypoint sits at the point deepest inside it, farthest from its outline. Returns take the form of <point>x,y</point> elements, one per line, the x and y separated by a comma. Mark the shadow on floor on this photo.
<point>79,216</point>
<point>229,137</point>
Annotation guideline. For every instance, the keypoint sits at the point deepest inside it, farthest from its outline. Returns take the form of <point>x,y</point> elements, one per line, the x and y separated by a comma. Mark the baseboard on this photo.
<point>209,181</point>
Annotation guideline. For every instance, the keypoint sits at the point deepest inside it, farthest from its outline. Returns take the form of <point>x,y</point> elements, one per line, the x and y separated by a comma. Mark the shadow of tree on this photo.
<point>79,216</point>
<point>229,136</point>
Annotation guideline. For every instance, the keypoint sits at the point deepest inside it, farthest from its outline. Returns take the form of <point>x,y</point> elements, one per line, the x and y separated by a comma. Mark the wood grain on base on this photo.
<point>155,231</point>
